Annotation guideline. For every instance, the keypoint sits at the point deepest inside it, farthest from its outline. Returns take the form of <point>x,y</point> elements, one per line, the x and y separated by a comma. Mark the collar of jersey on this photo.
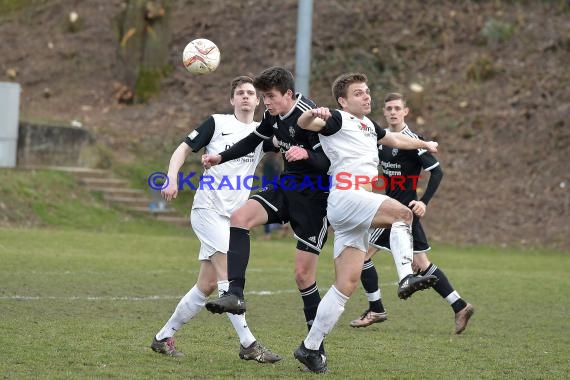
<point>298,95</point>
<point>403,129</point>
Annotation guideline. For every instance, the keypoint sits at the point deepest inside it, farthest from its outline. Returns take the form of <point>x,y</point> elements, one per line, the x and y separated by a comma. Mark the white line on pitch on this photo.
<point>126,298</point>
<point>144,298</point>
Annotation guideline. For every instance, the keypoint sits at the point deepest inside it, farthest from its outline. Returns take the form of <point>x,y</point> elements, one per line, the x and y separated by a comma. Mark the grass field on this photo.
<point>75,304</point>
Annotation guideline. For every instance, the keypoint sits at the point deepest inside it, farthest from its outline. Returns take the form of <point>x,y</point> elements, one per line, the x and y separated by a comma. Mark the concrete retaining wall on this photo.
<point>53,145</point>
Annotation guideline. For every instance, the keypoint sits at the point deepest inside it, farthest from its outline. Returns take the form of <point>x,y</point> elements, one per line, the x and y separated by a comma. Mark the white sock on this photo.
<point>453,297</point>
<point>246,338</point>
<point>373,296</point>
<point>187,308</point>
<point>330,309</point>
<point>402,247</point>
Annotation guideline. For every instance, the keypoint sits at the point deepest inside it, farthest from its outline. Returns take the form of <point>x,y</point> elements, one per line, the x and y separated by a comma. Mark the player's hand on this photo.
<point>418,208</point>
<point>171,191</point>
<point>209,160</point>
<point>321,112</point>
<point>296,153</point>
<point>431,146</point>
<point>275,142</point>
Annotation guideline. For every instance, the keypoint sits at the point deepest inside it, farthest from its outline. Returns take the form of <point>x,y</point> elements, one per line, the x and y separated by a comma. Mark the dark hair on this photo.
<point>238,81</point>
<point>341,83</point>
<point>395,96</point>
<point>275,77</point>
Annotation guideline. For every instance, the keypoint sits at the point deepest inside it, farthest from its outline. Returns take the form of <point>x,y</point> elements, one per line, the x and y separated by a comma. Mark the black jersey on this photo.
<point>402,167</point>
<point>288,134</point>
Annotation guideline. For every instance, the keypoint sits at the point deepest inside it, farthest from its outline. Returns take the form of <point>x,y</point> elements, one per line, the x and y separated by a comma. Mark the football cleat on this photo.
<point>412,283</point>
<point>312,359</point>
<point>369,317</point>
<point>165,347</point>
<point>227,303</point>
<point>258,353</point>
<point>462,317</point>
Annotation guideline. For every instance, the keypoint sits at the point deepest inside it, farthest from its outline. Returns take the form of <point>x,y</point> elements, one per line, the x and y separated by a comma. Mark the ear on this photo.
<point>406,111</point>
<point>232,101</point>
<point>342,101</point>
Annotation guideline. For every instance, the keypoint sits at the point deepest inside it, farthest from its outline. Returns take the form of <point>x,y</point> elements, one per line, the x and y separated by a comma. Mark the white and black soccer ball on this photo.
<point>201,56</point>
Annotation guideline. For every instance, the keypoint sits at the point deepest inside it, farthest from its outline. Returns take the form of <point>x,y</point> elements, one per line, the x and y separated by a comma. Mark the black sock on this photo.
<point>238,257</point>
<point>311,299</point>
<point>443,287</point>
<point>369,279</point>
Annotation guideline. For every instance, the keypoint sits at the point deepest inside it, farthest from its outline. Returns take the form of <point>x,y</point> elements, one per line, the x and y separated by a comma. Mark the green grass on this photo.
<point>54,199</point>
<point>77,304</point>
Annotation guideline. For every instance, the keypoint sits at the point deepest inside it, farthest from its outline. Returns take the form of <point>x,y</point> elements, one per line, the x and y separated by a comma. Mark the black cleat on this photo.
<point>312,359</point>
<point>227,303</point>
<point>412,283</point>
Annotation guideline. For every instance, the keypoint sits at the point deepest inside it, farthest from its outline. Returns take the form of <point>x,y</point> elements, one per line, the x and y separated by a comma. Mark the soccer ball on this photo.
<point>201,56</point>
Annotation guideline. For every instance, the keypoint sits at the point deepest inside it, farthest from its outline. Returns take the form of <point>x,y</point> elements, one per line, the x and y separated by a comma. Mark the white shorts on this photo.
<point>350,213</point>
<point>213,231</point>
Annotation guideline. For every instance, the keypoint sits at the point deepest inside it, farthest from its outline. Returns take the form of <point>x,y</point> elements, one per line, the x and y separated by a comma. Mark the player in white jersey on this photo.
<point>350,140</point>
<point>407,163</point>
<point>219,194</point>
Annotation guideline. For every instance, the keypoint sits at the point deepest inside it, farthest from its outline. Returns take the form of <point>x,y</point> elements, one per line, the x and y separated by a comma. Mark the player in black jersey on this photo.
<point>303,206</point>
<point>401,169</point>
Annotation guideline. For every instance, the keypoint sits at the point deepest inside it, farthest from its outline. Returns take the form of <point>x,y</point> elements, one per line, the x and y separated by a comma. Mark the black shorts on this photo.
<point>380,238</point>
<point>305,210</point>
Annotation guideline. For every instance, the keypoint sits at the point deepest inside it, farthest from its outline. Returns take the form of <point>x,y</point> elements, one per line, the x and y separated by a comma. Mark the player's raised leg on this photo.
<point>250,215</point>
<point>398,218</point>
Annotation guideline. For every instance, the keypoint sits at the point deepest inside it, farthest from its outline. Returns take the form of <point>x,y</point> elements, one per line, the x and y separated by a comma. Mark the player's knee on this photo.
<point>404,214</point>
<point>348,285</point>
<point>304,277</point>
<point>240,219</point>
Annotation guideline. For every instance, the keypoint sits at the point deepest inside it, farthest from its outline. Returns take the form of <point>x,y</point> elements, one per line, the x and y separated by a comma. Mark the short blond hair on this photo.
<point>341,84</point>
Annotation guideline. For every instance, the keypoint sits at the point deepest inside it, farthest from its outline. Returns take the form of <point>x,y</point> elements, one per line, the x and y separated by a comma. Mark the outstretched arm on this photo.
<point>239,149</point>
<point>400,141</point>
<point>314,119</point>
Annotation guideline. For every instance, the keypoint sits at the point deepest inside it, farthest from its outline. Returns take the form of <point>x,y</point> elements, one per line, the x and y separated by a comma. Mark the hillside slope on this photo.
<point>495,76</point>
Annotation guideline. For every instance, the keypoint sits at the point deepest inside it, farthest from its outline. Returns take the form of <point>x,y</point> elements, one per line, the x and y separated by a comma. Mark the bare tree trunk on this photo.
<point>144,37</point>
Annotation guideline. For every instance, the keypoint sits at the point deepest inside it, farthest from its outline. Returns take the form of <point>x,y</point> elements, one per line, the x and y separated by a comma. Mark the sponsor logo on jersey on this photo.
<point>285,146</point>
<point>368,131</point>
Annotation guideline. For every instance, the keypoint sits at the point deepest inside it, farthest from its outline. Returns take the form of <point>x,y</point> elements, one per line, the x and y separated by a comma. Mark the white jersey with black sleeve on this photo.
<point>221,187</point>
<point>350,144</point>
